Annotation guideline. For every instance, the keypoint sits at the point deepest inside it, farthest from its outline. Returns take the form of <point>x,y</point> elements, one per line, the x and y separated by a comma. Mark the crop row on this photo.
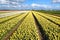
<point>52,30</point>
<point>57,17</point>
<point>8,25</point>
<point>57,21</point>
<point>27,30</point>
<point>3,12</point>
<point>9,17</point>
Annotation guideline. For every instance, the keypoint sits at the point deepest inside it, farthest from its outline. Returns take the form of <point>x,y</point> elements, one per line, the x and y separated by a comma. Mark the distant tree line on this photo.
<point>49,11</point>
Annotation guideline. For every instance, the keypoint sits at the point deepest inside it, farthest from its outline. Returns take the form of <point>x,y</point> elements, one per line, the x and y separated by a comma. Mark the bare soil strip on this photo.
<point>10,19</point>
<point>40,29</point>
<point>7,36</point>
<point>2,15</point>
<point>50,20</point>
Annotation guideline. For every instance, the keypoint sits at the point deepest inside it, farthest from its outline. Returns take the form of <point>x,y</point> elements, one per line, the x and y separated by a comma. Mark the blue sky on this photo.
<point>29,4</point>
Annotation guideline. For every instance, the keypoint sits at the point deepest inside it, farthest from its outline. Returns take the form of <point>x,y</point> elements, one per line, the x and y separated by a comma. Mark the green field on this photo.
<point>3,12</point>
<point>53,12</point>
<point>32,25</point>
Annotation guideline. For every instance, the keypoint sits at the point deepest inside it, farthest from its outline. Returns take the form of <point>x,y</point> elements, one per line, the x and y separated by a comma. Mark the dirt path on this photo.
<point>40,29</point>
<point>7,36</point>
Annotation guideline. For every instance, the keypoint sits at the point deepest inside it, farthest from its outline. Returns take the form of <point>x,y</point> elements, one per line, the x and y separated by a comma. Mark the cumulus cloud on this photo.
<point>56,1</point>
<point>35,5</point>
<point>17,4</point>
<point>40,5</point>
<point>4,1</point>
<point>11,1</point>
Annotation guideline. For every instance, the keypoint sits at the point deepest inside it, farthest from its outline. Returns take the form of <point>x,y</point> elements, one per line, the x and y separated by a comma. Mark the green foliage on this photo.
<point>7,26</point>
<point>27,30</point>
<point>51,29</point>
<point>50,11</point>
<point>54,19</point>
<point>3,12</point>
<point>8,17</point>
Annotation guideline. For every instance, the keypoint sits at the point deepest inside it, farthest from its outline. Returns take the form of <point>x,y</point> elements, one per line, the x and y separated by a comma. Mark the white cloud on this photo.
<point>56,0</point>
<point>19,5</point>
<point>14,6</point>
<point>40,5</point>
<point>14,3</point>
<point>35,5</point>
<point>21,0</point>
<point>4,1</point>
<point>11,1</point>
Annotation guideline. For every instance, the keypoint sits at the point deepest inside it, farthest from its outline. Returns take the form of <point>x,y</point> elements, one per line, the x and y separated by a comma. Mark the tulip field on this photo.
<point>31,25</point>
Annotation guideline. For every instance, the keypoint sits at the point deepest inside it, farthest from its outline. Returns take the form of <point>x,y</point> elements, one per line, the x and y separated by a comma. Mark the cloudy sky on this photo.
<point>29,4</point>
